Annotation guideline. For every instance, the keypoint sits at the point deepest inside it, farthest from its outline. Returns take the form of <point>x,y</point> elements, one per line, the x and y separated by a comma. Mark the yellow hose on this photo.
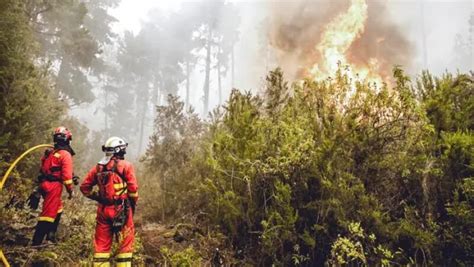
<point>10,169</point>
<point>4,179</point>
<point>4,260</point>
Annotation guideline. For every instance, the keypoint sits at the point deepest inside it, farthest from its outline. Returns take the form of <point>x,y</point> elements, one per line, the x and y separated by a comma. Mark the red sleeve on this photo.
<point>89,182</point>
<point>132,185</point>
<point>66,169</point>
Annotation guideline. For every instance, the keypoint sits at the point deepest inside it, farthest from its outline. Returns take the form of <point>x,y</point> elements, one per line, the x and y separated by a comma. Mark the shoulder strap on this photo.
<point>100,168</point>
<point>121,175</point>
<point>48,152</point>
<point>51,152</point>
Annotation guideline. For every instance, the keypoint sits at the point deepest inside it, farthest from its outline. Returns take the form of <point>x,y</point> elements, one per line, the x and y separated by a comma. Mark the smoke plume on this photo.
<point>295,29</point>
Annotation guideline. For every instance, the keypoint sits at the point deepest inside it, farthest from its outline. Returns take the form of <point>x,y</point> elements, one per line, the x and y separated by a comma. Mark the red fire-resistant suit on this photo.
<point>56,170</point>
<point>59,165</point>
<point>125,189</point>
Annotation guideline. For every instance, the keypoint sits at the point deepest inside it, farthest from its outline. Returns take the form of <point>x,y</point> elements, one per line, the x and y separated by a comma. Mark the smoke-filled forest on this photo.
<point>236,133</point>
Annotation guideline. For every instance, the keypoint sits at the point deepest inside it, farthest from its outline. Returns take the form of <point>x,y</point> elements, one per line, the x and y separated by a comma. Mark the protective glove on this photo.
<point>70,193</point>
<point>75,180</point>
<point>133,205</point>
<point>34,199</point>
<point>95,196</point>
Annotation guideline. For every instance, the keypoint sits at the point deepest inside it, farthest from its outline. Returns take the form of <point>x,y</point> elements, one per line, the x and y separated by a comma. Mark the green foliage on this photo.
<point>74,235</point>
<point>304,165</point>
<point>448,101</point>
<point>168,159</point>
<point>359,248</point>
<point>286,175</point>
<point>279,226</point>
<point>184,258</point>
<point>28,110</point>
<point>71,35</point>
<point>459,231</point>
<point>347,250</point>
<point>449,104</point>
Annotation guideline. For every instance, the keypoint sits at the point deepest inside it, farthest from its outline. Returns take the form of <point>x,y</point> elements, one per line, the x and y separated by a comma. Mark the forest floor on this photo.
<point>184,244</point>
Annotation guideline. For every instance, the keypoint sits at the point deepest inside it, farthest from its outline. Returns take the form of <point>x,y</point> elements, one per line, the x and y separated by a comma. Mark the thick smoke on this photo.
<point>295,28</point>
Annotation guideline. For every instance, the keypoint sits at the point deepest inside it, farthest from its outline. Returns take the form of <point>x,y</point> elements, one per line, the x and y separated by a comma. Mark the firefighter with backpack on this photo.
<point>117,197</point>
<point>56,170</point>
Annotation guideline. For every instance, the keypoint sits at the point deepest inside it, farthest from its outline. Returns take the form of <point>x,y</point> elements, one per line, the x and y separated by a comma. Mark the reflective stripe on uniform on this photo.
<point>124,255</point>
<point>102,255</point>
<point>124,259</point>
<point>68,182</point>
<point>119,186</point>
<point>101,260</point>
<point>133,194</point>
<point>46,219</point>
<point>101,264</point>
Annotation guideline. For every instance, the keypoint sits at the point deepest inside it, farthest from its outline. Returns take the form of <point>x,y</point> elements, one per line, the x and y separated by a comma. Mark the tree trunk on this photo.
<point>208,72</point>
<point>142,125</point>
<point>163,201</point>
<point>157,79</point>
<point>156,93</point>
<point>188,68</point>
<point>106,117</point>
<point>232,62</point>
<point>219,80</point>
<point>142,110</point>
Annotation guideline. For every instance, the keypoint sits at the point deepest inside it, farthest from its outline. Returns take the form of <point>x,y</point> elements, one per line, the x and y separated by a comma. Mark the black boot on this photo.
<point>42,229</point>
<point>54,228</point>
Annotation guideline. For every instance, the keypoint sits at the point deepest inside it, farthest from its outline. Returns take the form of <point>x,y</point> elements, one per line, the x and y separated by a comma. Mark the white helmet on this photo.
<point>113,146</point>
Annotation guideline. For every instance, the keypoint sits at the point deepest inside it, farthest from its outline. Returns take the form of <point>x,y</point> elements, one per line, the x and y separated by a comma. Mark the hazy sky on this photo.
<point>130,13</point>
<point>443,20</point>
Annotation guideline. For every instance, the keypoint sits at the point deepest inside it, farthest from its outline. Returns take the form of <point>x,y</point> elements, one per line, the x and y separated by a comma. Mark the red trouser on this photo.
<point>52,204</point>
<point>104,237</point>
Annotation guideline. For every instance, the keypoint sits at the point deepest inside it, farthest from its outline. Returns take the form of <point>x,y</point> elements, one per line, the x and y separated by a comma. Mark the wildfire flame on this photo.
<point>336,41</point>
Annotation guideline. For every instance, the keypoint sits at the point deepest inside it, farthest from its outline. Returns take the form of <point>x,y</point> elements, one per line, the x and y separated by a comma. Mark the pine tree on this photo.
<point>28,109</point>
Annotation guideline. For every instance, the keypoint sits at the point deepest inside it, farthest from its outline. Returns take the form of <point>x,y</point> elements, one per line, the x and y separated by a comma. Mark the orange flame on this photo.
<point>336,41</point>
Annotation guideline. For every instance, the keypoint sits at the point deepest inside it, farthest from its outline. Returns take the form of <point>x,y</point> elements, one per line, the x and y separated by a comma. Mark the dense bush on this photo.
<point>330,171</point>
<point>168,171</point>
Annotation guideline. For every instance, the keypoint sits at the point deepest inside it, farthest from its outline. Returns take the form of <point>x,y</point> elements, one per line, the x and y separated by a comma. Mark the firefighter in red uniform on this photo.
<point>117,197</point>
<point>56,170</point>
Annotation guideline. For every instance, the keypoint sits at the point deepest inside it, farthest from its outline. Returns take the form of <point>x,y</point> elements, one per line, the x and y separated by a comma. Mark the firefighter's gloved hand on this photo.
<point>75,180</point>
<point>95,196</point>
<point>70,193</point>
<point>133,205</point>
<point>34,199</point>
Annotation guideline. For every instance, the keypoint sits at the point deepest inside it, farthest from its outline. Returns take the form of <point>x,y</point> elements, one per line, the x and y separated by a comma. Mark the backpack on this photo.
<point>106,181</point>
<point>49,177</point>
